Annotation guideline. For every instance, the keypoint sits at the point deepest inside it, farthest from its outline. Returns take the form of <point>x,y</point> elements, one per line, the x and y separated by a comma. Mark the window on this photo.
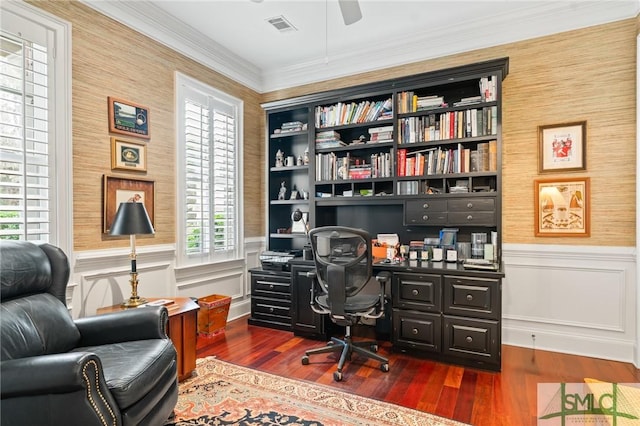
<point>35,143</point>
<point>210,173</point>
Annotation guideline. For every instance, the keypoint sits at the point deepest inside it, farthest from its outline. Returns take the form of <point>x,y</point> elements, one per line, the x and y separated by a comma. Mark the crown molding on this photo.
<point>541,18</point>
<point>150,20</point>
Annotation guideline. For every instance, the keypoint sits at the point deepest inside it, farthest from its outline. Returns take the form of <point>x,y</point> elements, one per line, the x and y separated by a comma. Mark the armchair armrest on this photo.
<point>46,374</point>
<point>148,322</point>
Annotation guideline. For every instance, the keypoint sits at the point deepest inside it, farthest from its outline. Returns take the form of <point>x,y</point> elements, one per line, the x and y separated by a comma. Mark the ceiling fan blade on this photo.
<point>350,11</point>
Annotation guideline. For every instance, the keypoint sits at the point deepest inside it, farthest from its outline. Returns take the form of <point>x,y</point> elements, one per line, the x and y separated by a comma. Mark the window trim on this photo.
<point>182,260</point>
<point>61,188</point>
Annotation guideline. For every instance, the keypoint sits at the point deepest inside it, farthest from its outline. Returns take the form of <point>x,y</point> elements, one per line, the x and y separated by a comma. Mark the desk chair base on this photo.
<point>347,347</point>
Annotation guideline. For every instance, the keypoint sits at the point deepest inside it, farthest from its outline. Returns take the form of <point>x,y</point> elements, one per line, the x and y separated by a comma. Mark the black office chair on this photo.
<point>343,269</point>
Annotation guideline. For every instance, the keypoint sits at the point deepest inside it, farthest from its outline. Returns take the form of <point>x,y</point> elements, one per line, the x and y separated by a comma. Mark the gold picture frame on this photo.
<point>127,155</point>
<point>118,190</point>
<point>562,207</point>
<point>562,147</point>
<point>128,118</point>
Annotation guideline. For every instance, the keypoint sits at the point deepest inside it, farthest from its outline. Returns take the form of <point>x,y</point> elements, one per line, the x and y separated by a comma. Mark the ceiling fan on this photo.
<point>350,9</point>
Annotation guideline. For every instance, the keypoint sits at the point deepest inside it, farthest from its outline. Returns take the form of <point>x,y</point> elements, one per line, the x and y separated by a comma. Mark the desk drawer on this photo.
<point>421,292</point>
<point>472,204</point>
<point>417,330</point>
<point>473,218</point>
<point>271,287</point>
<point>475,297</point>
<point>271,309</point>
<point>432,212</point>
<point>471,339</point>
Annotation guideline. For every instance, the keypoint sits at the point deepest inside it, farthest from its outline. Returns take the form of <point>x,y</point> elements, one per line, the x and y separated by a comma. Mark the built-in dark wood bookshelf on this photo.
<point>408,156</point>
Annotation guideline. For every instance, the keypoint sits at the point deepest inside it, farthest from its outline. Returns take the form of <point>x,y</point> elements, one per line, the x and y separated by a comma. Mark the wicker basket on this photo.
<point>212,316</point>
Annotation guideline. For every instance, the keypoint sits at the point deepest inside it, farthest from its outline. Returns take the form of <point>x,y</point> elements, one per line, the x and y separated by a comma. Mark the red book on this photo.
<point>402,161</point>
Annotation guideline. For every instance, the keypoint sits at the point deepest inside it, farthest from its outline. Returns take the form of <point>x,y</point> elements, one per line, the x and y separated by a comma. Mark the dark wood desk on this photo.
<point>182,330</point>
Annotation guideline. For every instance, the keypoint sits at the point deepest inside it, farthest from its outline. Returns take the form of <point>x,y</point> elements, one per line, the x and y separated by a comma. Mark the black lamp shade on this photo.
<point>131,219</point>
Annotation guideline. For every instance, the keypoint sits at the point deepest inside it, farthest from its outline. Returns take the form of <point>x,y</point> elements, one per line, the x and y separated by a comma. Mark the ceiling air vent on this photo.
<point>281,24</point>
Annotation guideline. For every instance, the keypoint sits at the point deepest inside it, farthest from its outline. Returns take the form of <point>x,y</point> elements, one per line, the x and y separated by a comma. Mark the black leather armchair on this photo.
<point>110,370</point>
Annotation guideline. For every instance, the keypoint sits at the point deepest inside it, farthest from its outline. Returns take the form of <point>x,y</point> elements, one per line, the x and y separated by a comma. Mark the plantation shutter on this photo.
<point>25,182</point>
<point>210,161</point>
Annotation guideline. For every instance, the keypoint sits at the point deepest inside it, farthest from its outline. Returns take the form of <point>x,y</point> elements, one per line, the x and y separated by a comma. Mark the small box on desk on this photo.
<point>212,316</point>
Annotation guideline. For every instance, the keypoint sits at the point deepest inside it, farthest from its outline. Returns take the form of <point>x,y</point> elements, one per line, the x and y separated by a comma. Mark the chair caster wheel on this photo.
<point>385,367</point>
<point>305,360</point>
<point>374,348</point>
<point>337,376</point>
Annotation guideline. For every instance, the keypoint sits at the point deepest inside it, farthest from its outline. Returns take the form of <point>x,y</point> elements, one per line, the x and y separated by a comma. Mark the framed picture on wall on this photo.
<point>562,207</point>
<point>562,147</point>
<point>126,155</point>
<point>128,118</point>
<point>120,190</point>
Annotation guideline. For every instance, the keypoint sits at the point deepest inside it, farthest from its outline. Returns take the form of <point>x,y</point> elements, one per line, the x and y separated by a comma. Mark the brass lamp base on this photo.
<point>134,302</point>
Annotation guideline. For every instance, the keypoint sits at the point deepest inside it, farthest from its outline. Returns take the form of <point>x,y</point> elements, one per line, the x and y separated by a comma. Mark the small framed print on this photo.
<point>562,147</point>
<point>126,155</point>
<point>128,118</point>
<point>120,190</point>
<point>562,207</point>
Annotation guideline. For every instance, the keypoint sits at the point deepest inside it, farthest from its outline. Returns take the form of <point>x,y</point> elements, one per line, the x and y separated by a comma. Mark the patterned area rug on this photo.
<point>225,394</point>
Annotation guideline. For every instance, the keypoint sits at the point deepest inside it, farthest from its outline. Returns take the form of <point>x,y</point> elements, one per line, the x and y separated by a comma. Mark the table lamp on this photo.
<point>298,216</point>
<point>131,219</point>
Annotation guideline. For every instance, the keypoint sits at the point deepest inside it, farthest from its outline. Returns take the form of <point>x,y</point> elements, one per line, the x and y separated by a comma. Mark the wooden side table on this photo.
<point>182,330</point>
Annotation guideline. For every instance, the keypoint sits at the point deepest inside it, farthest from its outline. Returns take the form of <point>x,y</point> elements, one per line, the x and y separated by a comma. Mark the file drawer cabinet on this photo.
<point>271,299</point>
<point>451,318</point>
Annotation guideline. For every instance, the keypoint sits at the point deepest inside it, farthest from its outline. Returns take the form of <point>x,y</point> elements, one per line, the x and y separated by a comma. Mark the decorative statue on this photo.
<point>299,161</point>
<point>283,191</point>
<point>305,159</point>
<point>279,159</point>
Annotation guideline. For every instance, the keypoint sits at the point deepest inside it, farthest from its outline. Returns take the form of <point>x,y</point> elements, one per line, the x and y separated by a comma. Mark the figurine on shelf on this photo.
<point>305,159</point>
<point>299,160</point>
<point>282,195</point>
<point>279,159</point>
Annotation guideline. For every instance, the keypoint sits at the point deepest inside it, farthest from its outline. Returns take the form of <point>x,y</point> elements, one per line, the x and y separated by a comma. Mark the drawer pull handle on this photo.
<point>414,331</point>
<point>425,206</point>
<point>469,297</point>
<point>425,217</point>
<point>271,309</point>
<point>470,205</point>
<point>414,292</point>
<point>271,286</point>
<point>470,217</point>
<point>469,339</point>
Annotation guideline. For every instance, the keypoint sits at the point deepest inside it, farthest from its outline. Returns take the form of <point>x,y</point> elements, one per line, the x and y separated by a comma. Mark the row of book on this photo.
<point>350,112</point>
<point>331,167</point>
<point>439,160</point>
<point>410,102</point>
<point>449,125</point>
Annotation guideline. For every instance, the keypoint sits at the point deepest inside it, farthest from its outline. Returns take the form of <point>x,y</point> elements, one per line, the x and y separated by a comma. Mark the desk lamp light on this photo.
<point>298,216</point>
<point>131,219</point>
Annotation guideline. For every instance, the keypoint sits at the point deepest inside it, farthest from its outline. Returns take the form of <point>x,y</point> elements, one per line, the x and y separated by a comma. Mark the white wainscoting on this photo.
<point>573,299</point>
<point>101,277</point>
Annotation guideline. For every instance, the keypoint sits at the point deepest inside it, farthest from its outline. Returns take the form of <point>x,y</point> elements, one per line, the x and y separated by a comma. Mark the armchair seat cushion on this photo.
<point>133,369</point>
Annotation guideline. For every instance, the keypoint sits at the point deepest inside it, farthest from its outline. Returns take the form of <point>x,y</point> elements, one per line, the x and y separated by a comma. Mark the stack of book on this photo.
<point>291,126</point>
<point>381,134</point>
<point>328,139</point>
<point>422,103</point>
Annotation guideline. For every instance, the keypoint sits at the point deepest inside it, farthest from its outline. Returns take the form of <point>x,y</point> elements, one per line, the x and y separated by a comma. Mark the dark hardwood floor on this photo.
<point>464,394</point>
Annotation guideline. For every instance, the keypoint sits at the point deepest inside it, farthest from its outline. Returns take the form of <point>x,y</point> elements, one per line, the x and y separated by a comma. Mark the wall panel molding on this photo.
<point>571,299</point>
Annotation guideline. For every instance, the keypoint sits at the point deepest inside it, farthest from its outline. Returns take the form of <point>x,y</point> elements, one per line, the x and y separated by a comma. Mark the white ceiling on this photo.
<point>233,36</point>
